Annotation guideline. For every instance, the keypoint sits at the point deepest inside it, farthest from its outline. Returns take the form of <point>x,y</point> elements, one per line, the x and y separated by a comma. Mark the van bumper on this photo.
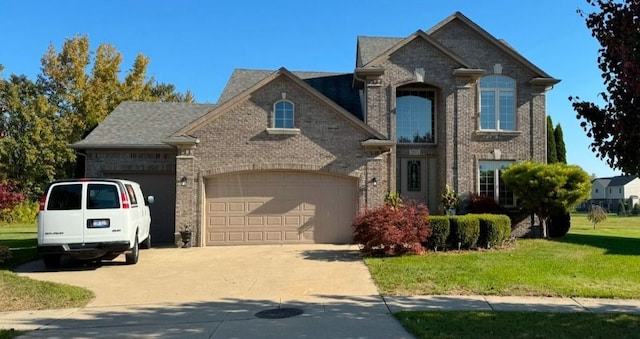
<point>114,246</point>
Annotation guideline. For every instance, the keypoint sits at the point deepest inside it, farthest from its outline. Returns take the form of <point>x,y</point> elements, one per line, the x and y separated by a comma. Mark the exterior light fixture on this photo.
<point>183,181</point>
<point>374,181</point>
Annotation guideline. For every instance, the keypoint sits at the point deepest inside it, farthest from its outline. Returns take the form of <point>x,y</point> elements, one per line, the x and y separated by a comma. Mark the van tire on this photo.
<point>132,256</point>
<point>146,243</point>
<point>51,260</point>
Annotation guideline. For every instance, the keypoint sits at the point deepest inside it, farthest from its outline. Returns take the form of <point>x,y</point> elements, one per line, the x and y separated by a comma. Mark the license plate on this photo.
<point>98,223</point>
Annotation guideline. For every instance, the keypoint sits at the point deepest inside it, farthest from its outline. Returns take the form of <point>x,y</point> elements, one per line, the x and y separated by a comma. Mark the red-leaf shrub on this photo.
<point>392,231</point>
<point>9,197</point>
<point>480,204</point>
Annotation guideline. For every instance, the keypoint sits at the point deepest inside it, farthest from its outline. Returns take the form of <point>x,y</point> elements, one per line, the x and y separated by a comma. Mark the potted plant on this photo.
<point>449,200</point>
<point>185,235</point>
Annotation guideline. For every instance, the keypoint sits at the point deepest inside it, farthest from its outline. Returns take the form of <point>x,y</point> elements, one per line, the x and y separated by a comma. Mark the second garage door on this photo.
<point>278,207</point>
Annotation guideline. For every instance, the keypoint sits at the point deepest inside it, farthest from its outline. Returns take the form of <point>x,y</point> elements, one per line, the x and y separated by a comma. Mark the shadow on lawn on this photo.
<point>612,245</point>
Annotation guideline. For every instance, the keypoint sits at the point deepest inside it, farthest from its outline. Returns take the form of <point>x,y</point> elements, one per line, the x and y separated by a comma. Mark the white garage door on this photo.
<point>278,207</point>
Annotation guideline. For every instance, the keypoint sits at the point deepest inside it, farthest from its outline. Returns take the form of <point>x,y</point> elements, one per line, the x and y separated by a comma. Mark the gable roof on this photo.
<point>304,84</point>
<point>604,182</point>
<point>335,86</point>
<point>500,44</point>
<point>370,49</point>
<point>622,180</point>
<point>419,34</point>
<point>135,124</point>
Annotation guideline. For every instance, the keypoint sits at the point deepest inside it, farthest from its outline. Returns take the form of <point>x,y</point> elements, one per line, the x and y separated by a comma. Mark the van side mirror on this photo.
<point>150,199</point>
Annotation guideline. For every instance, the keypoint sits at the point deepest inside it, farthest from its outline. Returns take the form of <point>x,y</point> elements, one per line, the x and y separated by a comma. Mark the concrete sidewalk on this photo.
<point>510,304</point>
<point>322,317</point>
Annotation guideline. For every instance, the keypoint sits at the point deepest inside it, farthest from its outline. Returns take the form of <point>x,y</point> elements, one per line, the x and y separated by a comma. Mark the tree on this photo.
<point>34,149</point>
<point>86,99</point>
<point>546,188</point>
<point>596,215</point>
<point>552,151</point>
<point>561,149</point>
<point>613,127</point>
<point>38,120</point>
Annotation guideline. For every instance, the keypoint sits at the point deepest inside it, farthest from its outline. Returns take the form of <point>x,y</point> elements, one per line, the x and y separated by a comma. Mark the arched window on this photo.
<point>497,103</point>
<point>415,115</point>
<point>283,114</point>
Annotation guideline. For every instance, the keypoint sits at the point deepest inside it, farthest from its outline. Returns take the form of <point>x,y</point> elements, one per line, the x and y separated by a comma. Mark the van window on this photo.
<point>102,196</point>
<point>132,195</point>
<point>65,197</point>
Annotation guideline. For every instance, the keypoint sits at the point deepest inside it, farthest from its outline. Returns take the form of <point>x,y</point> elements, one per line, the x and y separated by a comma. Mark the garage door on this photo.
<point>279,207</point>
<point>163,210</point>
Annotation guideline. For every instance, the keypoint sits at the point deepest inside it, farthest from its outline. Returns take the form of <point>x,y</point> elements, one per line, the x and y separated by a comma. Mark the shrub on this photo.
<point>5,254</point>
<point>9,196</point>
<point>559,224</point>
<point>24,213</point>
<point>636,209</point>
<point>494,229</point>
<point>393,199</point>
<point>392,231</point>
<point>481,204</point>
<point>465,229</point>
<point>440,229</point>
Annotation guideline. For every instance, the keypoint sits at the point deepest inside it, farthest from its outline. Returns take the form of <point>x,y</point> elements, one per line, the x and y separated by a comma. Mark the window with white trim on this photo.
<point>497,103</point>
<point>492,185</point>
<point>283,114</point>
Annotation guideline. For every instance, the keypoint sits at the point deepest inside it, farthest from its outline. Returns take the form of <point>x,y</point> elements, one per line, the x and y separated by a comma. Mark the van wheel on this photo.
<point>146,244</point>
<point>51,260</point>
<point>132,256</point>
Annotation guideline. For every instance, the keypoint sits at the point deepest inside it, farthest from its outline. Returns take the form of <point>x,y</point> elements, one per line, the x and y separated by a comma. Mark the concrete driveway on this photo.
<point>223,292</point>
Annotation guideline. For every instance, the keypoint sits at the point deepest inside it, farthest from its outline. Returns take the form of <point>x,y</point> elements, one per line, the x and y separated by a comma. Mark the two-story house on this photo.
<point>292,157</point>
<point>610,192</point>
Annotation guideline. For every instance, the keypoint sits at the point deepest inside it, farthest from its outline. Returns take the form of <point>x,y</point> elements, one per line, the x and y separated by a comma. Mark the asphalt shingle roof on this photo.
<point>621,180</point>
<point>336,86</point>
<point>142,124</point>
<point>370,48</point>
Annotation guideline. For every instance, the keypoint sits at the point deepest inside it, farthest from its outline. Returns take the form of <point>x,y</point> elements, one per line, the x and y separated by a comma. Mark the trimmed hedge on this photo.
<point>495,229</point>
<point>470,230</point>
<point>465,229</point>
<point>440,229</point>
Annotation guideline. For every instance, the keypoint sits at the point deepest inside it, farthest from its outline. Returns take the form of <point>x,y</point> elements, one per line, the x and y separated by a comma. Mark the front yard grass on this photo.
<point>473,324</point>
<point>586,263</point>
<point>20,293</point>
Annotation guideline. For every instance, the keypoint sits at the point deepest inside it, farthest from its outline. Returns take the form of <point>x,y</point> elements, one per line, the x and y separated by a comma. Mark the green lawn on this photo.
<point>591,263</point>
<point>19,293</point>
<point>587,263</point>
<point>519,325</point>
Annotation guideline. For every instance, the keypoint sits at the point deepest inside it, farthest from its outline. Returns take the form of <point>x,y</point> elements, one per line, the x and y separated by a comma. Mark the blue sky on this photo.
<point>196,44</point>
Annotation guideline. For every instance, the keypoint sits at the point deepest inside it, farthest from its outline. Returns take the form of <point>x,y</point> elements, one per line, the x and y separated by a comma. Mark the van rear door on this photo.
<point>63,222</point>
<point>104,220</point>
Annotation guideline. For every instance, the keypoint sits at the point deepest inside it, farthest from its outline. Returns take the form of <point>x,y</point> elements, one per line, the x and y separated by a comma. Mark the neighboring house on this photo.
<point>609,192</point>
<point>292,157</point>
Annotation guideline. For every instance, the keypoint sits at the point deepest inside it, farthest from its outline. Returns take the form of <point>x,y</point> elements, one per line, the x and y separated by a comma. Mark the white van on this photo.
<point>93,219</point>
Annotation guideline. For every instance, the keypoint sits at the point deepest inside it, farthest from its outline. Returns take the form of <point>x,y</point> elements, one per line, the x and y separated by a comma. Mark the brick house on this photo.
<point>291,157</point>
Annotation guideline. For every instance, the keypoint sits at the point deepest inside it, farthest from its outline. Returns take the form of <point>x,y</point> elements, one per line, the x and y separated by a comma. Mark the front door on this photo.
<point>412,175</point>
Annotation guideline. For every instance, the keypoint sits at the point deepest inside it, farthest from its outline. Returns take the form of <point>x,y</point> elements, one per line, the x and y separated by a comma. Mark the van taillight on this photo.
<point>43,199</point>
<point>124,200</point>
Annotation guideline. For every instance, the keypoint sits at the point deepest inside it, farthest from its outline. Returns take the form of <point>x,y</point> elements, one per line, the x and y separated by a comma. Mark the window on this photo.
<point>491,184</point>
<point>283,114</point>
<point>102,196</point>
<point>65,197</point>
<point>497,103</point>
<point>415,115</point>
<point>413,176</point>
<point>132,195</point>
